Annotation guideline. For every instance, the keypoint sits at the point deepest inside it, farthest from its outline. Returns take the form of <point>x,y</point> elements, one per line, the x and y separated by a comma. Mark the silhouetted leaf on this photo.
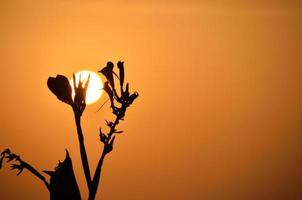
<point>61,88</point>
<point>63,184</point>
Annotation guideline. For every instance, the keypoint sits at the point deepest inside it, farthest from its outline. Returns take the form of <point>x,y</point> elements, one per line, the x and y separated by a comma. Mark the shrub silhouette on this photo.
<point>62,184</point>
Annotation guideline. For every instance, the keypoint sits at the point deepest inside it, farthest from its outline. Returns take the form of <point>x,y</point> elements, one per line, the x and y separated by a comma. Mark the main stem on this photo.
<point>98,170</point>
<point>83,150</point>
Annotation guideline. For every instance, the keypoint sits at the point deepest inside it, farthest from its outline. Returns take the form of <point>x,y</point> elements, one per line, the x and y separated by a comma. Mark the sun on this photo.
<point>95,87</point>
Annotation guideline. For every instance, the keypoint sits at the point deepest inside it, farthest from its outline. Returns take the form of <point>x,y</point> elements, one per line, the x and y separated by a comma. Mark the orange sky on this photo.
<point>220,107</point>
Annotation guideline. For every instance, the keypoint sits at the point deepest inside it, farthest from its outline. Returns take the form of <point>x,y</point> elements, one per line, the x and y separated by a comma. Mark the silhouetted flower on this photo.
<point>80,90</point>
<point>108,73</point>
<point>125,99</point>
<point>60,86</point>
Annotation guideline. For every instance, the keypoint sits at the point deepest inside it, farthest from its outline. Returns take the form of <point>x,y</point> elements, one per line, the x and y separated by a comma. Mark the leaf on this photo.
<point>60,87</point>
<point>63,184</point>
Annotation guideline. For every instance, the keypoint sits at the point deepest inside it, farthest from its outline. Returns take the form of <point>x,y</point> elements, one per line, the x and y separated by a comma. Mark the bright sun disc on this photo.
<point>94,90</point>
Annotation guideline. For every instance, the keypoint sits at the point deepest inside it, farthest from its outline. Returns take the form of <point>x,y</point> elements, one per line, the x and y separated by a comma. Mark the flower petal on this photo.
<point>61,88</point>
<point>108,73</point>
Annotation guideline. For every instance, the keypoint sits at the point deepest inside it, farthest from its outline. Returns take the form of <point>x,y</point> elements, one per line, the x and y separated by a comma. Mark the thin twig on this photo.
<point>35,172</point>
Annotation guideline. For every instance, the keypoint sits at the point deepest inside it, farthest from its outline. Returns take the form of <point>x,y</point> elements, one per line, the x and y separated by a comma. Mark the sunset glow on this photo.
<point>219,114</point>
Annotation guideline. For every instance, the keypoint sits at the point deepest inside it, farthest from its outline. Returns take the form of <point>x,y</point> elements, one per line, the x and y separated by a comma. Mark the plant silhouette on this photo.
<point>62,184</point>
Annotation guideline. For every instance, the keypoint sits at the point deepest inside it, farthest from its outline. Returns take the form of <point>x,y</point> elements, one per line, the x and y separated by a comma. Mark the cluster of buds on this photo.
<point>125,99</point>
<point>61,87</point>
<point>119,101</point>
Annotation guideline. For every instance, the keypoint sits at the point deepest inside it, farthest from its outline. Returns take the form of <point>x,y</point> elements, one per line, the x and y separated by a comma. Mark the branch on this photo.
<point>124,100</point>
<point>22,165</point>
<point>108,146</point>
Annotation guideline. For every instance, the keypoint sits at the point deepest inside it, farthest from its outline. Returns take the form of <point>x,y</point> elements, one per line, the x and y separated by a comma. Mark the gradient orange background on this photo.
<point>220,107</point>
